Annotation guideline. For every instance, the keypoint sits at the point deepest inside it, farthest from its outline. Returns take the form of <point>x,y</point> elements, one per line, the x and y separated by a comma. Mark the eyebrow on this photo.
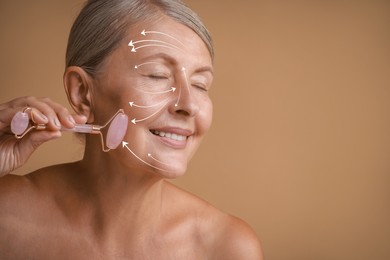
<point>205,69</point>
<point>172,60</point>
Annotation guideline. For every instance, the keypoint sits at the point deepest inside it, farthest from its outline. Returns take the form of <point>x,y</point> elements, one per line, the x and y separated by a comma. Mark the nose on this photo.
<point>186,103</point>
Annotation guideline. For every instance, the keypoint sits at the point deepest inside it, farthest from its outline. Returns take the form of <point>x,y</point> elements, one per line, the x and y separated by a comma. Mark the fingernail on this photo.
<point>57,122</point>
<point>43,116</point>
<point>71,119</point>
<point>37,114</point>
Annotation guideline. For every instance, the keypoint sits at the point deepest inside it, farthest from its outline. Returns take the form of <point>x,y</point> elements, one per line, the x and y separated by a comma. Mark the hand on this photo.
<point>15,152</point>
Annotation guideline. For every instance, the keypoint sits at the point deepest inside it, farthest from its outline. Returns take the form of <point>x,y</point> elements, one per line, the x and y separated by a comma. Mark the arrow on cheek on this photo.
<point>132,104</point>
<point>126,144</point>
<point>135,121</point>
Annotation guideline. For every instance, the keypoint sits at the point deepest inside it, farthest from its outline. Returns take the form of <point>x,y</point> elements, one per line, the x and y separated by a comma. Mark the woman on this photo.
<point>153,59</point>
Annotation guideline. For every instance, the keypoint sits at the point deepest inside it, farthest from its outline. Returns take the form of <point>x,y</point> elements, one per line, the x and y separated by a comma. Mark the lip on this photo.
<point>176,144</point>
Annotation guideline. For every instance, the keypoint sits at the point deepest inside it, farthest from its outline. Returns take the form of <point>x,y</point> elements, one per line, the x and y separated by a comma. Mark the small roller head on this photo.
<point>20,123</point>
<point>117,130</point>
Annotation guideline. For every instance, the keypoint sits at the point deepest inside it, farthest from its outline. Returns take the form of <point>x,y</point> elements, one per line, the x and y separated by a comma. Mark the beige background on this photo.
<point>300,144</point>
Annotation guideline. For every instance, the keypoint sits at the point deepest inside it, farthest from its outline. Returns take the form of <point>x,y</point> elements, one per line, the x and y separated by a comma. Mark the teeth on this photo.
<point>170,135</point>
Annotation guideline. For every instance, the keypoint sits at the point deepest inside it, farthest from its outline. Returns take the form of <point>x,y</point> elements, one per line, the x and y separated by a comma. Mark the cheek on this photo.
<point>132,96</point>
<point>205,116</point>
<point>113,93</point>
<point>144,107</point>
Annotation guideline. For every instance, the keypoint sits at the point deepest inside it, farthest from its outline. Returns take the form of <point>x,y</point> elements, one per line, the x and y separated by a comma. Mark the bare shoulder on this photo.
<point>24,194</point>
<point>222,235</point>
<point>14,188</point>
<point>235,239</point>
<point>17,198</point>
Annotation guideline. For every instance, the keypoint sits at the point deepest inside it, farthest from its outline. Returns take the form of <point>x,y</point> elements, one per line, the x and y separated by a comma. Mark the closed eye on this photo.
<point>158,76</point>
<point>201,87</point>
<point>202,81</point>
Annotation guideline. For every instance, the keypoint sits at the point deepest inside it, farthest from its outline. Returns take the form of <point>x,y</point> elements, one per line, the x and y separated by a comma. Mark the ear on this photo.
<point>78,88</point>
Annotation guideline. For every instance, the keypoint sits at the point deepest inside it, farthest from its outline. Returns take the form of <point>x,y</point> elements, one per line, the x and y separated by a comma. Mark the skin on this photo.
<point>113,205</point>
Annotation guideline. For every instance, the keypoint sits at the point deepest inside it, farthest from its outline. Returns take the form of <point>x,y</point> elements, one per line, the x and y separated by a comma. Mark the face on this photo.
<point>161,78</point>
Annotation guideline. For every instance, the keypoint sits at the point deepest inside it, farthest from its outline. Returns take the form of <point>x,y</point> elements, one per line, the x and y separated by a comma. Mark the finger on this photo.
<point>41,111</point>
<point>38,117</point>
<point>45,107</point>
<point>33,140</point>
<point>57,114</point>
<point>61,116</point>
<point>39,137</point>
<point>38,111</point>
<point>80,119</point>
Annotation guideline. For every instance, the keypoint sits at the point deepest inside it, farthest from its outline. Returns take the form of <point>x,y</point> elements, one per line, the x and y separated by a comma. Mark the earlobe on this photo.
<point>78,87</point>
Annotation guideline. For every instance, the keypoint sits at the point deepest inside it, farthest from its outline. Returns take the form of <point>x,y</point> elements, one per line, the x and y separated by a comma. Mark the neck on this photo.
<point>117,194</point>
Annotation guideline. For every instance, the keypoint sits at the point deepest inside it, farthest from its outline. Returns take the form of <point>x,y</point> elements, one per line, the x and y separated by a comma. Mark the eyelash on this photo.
<point>158,77</point>
<point>201,87</point>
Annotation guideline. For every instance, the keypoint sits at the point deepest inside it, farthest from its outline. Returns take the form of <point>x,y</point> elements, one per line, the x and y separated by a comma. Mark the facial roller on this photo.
<point>21,124</point>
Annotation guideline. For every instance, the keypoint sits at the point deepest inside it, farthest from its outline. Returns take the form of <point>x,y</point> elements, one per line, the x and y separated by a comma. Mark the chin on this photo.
<point>171,171</point>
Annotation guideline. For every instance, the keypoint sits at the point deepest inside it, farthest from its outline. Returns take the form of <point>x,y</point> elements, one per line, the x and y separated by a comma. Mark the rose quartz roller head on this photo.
<point>117,127</point>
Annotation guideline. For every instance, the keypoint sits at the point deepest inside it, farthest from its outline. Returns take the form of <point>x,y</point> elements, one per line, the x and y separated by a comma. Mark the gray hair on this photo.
<point>102,24</point>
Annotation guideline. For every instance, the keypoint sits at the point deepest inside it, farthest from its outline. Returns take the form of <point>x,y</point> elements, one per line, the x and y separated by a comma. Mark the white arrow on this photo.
<point>135,121</point>
<point>178,98</point>
<point>151,156</point>
<point>146,63</point>
<point>144,32</point>
<point>132,44</point>
<point>126,144</point>
<point>183,69</point>
<point>134,49</point>
<point>185,76</point>
<point>172,89</point>
<point>132,104</point>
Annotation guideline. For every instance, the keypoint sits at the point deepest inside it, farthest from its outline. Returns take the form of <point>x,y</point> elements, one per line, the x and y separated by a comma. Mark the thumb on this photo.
<point>28,144</point>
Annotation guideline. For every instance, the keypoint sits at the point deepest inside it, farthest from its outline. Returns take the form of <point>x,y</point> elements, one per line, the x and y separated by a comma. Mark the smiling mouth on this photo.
<point>168,135</point>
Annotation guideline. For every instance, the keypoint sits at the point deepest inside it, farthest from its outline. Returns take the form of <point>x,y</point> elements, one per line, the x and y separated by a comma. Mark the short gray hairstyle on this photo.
<point>102,24</point>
